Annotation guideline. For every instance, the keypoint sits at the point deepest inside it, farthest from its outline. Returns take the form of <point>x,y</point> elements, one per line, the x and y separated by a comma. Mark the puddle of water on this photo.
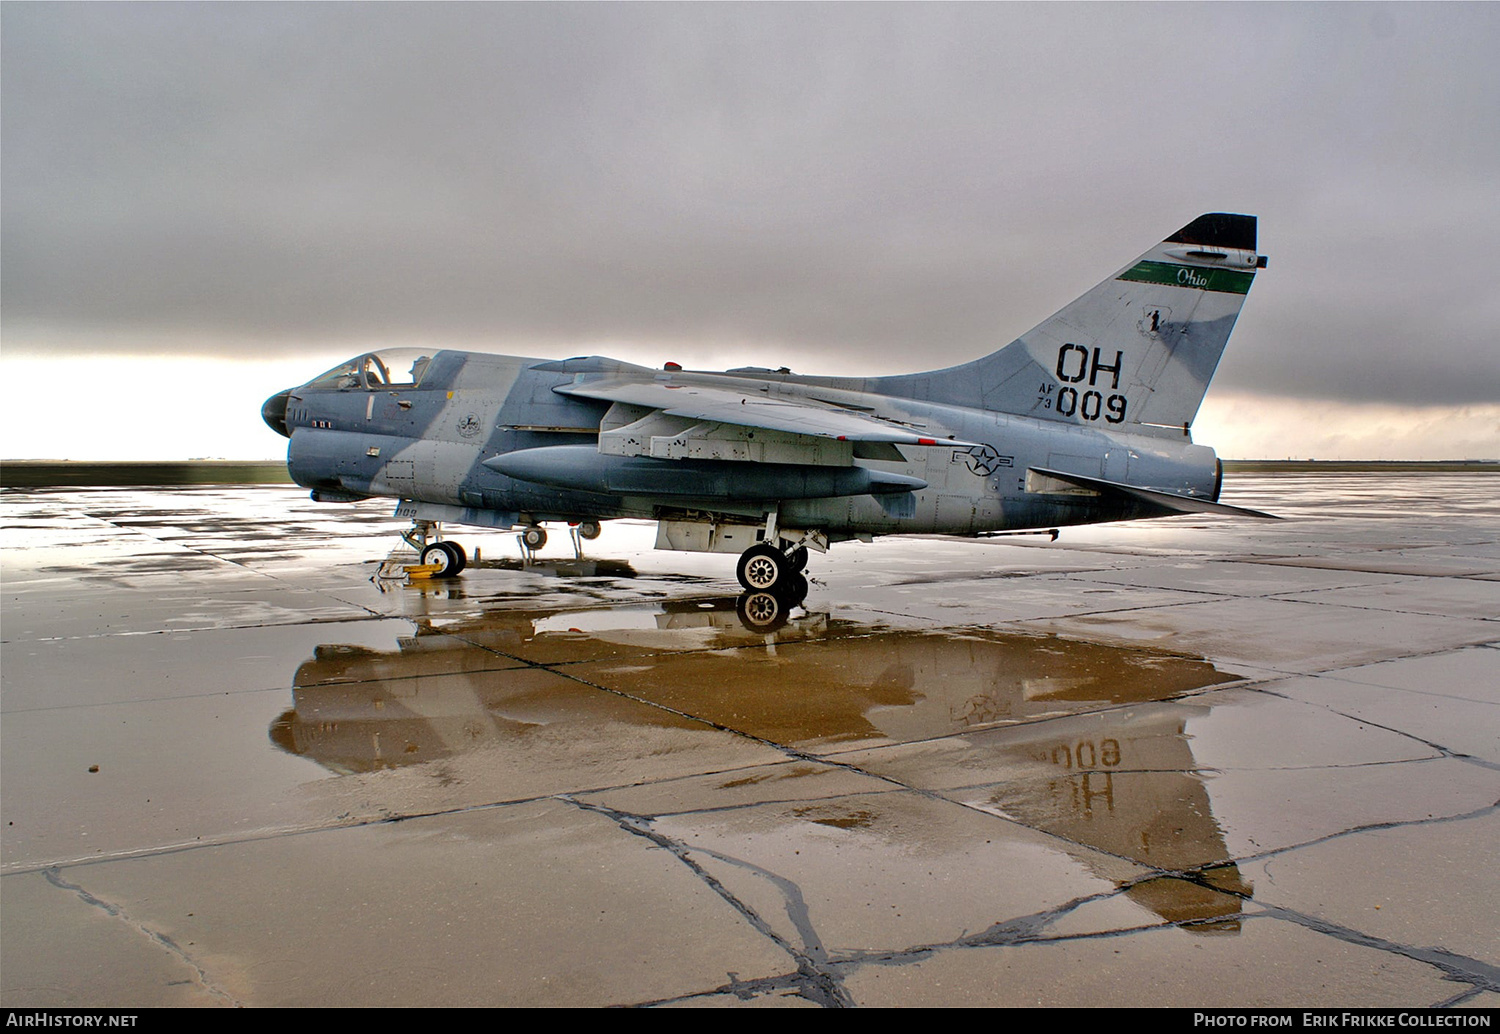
<point>814,681</point>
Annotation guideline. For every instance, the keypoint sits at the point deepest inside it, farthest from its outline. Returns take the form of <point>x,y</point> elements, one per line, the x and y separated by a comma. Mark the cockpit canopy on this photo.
<point>389,368</point>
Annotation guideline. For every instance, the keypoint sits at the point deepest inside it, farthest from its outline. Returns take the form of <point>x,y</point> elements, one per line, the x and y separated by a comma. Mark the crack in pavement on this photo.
<point>1018,931</point>
<point>1481,976</point>
<point>813,980</point>
<point>1369,827</point>
<point>1442,751</point>
<point>54,877</point>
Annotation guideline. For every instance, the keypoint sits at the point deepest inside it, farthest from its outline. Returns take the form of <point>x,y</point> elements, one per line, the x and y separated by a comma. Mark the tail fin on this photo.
<point>1136,352</point>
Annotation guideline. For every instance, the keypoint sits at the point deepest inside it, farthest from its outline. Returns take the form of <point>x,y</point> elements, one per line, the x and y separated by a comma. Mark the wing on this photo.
<point>725,444</point>
<point>751,408</point>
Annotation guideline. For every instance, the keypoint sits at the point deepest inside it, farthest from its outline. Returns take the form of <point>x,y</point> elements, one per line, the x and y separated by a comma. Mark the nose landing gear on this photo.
<point>450,557</point>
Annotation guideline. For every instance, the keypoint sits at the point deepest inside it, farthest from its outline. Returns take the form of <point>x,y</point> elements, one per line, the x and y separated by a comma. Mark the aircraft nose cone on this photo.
<point>273,412</point>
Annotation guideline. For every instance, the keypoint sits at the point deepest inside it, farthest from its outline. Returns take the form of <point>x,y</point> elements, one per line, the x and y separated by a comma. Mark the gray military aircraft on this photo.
<point>1085,418</point>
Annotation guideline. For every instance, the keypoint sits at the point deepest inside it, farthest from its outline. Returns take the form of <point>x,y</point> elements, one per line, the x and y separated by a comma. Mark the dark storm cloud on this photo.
<point>885,186</point>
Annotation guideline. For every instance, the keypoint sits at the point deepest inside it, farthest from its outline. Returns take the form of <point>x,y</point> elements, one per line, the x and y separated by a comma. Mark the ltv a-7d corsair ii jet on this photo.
<point>1085,418</point>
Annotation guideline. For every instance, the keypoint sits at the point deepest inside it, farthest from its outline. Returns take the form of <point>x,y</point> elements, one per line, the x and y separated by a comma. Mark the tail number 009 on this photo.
<point>1091,405</point>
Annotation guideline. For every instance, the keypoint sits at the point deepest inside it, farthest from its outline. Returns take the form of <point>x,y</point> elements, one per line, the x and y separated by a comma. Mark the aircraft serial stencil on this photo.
<point>1085,418</point>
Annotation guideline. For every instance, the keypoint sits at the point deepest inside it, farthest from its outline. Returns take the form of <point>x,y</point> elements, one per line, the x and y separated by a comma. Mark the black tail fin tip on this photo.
<point>1218,230</point>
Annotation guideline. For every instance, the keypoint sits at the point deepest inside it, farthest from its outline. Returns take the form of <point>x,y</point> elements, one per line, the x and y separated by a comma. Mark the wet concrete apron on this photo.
<point>1188,762</point>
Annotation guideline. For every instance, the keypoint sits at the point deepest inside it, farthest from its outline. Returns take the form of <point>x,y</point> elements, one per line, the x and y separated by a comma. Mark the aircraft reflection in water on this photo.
<point>1122,781</point>
<point>1084,418</point>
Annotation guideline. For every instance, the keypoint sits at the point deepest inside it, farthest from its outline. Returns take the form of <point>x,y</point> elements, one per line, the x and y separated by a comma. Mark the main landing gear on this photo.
<point>764,568</point>
<point>774,583</point>
<point>774,565</point>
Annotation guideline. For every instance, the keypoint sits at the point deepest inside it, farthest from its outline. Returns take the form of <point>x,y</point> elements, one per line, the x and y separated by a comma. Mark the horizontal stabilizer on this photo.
<point>1166,500</point>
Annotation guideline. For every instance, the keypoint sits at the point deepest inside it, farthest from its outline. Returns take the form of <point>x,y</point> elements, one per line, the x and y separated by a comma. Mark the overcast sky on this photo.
<point>249,192</point>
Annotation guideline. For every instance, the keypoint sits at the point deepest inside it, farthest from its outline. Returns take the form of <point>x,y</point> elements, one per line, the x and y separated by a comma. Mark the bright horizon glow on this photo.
<point>1240,425</point>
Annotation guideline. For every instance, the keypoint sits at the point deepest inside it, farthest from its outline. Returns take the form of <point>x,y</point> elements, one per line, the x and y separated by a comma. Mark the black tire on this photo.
<point>761,611</point>
<point>443,554</point>
<point>762,568</point>
<point>534,537</point>
<point>589,530</point>
<point>793,589</point>
<point>461,555</point>
<point>798,557</point>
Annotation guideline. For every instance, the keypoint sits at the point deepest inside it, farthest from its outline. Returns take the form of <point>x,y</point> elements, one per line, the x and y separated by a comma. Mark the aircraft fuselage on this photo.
<point>429,442</point>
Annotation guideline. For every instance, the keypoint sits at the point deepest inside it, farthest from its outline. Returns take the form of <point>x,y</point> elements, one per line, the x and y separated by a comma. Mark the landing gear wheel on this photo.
<point>794,590</point>
<point>461,553</point>
<point>762,568</point>
<point>448,555</point>
<point>798,558</point>
<point>761,611</point>
<point>534,538</point>
<point>588,530</point>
